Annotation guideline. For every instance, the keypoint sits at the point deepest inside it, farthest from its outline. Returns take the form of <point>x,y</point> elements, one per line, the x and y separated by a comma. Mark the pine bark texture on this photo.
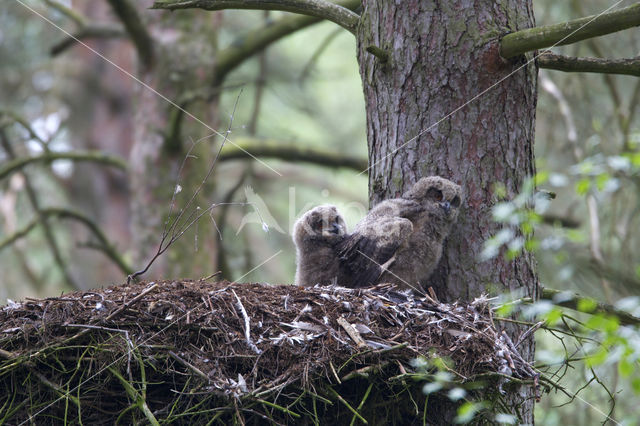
<point>443,55</point>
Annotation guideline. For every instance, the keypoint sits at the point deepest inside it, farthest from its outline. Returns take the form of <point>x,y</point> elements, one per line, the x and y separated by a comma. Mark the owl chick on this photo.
<point>368,256</point>
<point>316,235</point>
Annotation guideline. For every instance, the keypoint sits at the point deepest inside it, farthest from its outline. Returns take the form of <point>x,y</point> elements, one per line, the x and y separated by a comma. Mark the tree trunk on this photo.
<point>438,105</point>
<point>161,143</point>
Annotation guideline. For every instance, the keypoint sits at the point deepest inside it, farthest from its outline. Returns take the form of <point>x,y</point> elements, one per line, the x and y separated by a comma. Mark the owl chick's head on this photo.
<point>437,193</point>
<point>320,224</point>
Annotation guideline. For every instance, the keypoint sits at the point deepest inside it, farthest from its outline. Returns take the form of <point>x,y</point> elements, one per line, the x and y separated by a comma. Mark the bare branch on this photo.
<point>88,32</point>
<point>135,28</point>
<point>597,65</point>
<point>92,156</point>
<point>257,40</point>
<point>272,149</point>
<point>317,8</point>
<point>565,222</point>
<point>520,42</point>
<point>571,302</point>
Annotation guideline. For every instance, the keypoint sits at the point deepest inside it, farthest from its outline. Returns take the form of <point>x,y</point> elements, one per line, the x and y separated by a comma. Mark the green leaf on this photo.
<point>506,310</point>
<point>635,385</point>
<point>608,324</point>
<point>467,411</point>
<point>598,358</point>
<point>553,316</point>
<point>625,367</point>
<point>587,305</point>
<point>582,186</point>
<point>541,177</point>
<point>531,244</point>
<point>602,180</point>
<point>527,228</point>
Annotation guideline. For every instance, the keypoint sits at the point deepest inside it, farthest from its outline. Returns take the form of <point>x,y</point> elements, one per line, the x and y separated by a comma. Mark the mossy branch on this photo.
<point>136,29</point>
<point>552,61</point>
<point>272,149</point>
<point>93,156</point>
<point>571,301</point>
<point>520,42</point>
<point>32,196</point>
<point>257,40</point>
<point>317,8</point>
<point>87,32</point>
<point>105,246</point>
<point>76,17</point>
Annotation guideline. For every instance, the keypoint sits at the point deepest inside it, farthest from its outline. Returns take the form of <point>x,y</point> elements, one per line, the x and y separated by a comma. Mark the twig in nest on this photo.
<point>432,296</point>
<point>247,324</point>
<point>333,370</point>
<point>131,302</point>
<point>87,327</point>
<point>352,332</point>
<point>208,277</point>
<point>188,365</point>
<point>527,333</point>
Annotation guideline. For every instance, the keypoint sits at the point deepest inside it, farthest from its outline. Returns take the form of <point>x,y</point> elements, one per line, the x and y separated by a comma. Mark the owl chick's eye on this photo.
<point>434,194</point>
<point>455,202</point>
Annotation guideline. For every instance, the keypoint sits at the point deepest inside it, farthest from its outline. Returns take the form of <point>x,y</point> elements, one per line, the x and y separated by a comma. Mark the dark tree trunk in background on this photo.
<point>442,55</point>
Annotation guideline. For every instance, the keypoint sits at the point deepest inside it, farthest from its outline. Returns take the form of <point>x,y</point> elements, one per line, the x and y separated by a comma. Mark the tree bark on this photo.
<point>443,102</point>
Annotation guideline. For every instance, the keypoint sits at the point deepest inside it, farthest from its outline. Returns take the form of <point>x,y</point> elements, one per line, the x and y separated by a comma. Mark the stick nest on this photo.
<point>195,351</point>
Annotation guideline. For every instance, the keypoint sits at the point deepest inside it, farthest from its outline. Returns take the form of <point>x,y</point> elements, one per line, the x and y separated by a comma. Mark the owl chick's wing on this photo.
<point>369,250</point>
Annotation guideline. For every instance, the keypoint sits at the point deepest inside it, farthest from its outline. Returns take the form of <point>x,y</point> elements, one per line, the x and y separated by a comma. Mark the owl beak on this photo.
<point>446,206</point>
<point>336,229</point>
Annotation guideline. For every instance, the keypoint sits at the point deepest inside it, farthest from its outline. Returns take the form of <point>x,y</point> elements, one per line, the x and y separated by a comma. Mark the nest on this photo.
<point>195,351</point>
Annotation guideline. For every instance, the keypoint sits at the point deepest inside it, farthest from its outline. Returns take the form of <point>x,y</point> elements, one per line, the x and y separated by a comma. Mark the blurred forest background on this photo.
<point>299,100</point>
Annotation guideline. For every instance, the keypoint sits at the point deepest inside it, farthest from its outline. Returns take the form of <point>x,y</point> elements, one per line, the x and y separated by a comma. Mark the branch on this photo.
<point>317,8</point>
<point>94,156</point>
<point>257,40</point>
<point>272,149</point>
<point>565,222</point>
<point>135,28</point>
<point>84,33</point>
<point>76,17</point>
<point>604,66</point>
<point>520,42</point>
<point>12,116</point>
<point>35,204</point>
<point>105,246</point>
<point>572,303</point>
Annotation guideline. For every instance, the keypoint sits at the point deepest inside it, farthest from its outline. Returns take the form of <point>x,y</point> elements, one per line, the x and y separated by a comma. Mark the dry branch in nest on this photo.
<point>197,352</point>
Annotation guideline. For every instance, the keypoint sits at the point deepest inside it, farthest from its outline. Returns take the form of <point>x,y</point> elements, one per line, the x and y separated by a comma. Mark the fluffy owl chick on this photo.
<point>316,235</point>
<point>370,250</point>
<point>369,257</point>
<point>440,199</point>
